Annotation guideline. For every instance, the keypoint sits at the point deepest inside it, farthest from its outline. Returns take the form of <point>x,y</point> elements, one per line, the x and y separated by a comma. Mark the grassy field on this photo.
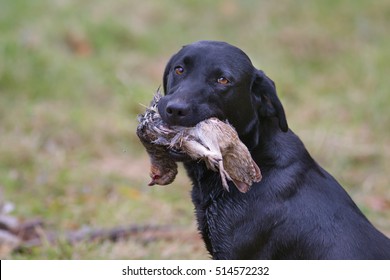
<point>73,76</point>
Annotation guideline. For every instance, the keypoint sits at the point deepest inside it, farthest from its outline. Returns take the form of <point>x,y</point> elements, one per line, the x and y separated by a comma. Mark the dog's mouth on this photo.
<point>175,154</point>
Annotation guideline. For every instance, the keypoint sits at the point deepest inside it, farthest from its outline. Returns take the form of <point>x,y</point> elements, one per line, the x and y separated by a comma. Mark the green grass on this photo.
<point>68,151</point>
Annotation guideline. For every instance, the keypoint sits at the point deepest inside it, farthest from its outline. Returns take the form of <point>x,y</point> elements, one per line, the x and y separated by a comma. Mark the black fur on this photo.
<point>298,210</point>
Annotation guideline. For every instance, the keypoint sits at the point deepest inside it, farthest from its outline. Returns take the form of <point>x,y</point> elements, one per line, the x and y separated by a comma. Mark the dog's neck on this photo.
<point>277,148</point>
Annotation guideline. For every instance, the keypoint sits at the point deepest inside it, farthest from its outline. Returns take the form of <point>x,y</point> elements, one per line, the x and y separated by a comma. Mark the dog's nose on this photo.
<point>176,110</point>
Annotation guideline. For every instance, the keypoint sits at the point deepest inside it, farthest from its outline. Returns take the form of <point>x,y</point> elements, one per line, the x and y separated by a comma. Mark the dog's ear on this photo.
<point>265,97</point>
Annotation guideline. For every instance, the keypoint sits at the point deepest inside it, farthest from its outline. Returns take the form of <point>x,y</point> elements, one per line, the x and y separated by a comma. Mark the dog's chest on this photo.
<point>218,219</point>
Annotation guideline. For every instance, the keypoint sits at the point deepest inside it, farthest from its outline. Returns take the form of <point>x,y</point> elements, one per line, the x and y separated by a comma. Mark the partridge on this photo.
<point>214,141</point>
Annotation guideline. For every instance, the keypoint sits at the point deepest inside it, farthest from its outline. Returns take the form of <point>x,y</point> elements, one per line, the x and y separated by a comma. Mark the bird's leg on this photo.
<point>213,160</point>
<point>224,175</point>
<point>211,156</point>
<point>197,151</point>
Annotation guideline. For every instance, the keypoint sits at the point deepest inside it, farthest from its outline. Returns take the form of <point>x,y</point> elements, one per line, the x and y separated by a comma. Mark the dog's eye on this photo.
<point>222,81</point>
<point>179,70</point>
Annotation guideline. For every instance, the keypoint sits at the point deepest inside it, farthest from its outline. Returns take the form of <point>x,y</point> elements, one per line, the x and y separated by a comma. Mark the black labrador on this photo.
<point>298,210</point>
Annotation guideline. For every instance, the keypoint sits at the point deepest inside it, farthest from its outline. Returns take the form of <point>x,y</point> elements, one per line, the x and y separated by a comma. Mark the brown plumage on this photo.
<point>213,141</point>
<point>154,135</point>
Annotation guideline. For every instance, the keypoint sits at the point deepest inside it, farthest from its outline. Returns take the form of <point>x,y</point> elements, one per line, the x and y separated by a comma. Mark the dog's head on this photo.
<point>214,79</point>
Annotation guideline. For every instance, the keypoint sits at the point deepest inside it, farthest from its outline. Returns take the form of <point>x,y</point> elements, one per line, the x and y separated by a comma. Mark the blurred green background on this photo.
<point>74,76</point>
